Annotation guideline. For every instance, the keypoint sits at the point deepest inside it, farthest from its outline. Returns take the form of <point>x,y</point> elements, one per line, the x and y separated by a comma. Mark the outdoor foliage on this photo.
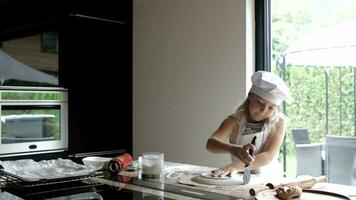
<point>324,97</point>
<point>322,111</point>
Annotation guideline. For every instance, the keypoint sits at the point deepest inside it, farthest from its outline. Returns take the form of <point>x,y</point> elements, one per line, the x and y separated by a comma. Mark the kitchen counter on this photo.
<point>176,184</point>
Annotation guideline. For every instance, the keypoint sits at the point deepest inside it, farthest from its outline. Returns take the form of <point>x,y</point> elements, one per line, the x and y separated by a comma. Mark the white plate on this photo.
<point>208,175</point>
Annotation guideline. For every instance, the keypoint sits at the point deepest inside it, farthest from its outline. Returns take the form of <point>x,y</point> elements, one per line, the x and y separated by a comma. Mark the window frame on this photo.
<point>263,49</point>
<point>263,35</point>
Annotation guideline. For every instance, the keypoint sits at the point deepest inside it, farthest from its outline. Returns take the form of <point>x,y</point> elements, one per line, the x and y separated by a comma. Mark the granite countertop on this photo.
<point>179,175</point>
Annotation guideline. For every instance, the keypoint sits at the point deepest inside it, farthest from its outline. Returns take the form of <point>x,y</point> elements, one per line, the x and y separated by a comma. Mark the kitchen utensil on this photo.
<point>247,172</point>
<point>246,176</point>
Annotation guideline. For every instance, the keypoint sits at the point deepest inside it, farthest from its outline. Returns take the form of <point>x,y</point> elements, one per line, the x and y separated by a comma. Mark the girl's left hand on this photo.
<point>228,170</point>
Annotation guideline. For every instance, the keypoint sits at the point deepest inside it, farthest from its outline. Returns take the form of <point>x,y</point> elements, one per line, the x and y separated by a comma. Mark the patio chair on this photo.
<point>300,136</point>
<point>341,159</point>
<point>309,156</point>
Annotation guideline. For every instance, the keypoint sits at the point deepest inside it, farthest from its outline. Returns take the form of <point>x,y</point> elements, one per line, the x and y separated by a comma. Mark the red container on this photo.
<point>119,163</point>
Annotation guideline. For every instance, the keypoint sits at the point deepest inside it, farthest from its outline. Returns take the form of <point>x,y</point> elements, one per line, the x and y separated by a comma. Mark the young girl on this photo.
<point>257,116</point>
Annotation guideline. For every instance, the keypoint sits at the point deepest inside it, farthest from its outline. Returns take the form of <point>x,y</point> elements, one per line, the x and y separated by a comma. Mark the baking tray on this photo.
<point>29,173</point>
<point>15,179</point>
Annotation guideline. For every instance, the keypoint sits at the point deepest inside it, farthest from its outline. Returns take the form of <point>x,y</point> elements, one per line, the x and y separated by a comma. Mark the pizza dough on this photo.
<point>206,179</point>
<point>209,175</point>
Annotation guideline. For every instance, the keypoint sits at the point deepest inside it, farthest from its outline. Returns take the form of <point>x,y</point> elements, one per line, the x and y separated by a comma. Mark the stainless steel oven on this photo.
<point>33,120</point>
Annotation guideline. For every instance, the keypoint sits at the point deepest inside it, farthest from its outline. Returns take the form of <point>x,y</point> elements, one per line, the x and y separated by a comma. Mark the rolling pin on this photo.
<point>304,184</point>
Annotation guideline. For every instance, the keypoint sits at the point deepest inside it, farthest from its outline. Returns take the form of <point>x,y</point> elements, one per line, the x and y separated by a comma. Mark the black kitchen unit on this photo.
<point>97,70</point>
<point>74,188</point>
<point>95,66</point>
<point>80,191</point>
<point>94,46</point>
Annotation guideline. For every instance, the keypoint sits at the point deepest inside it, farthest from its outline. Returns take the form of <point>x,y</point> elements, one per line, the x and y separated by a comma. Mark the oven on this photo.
<point>33,120</point>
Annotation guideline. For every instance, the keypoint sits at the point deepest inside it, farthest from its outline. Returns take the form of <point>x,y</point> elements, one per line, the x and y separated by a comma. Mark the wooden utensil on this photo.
<point>304,184</point>
<point>306,195</point>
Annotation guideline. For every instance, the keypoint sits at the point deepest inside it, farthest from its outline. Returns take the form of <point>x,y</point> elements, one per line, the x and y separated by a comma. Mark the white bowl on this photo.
<point>96,162</point>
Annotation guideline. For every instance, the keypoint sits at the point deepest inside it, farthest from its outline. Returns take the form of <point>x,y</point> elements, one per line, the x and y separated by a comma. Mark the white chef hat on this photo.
<point>270,87</point>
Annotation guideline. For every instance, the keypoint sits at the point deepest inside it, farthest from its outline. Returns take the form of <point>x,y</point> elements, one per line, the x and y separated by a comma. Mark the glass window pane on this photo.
<point>313,49</point>
<point>31,95</point>
<point>30,60</point>
<point>30,123</point>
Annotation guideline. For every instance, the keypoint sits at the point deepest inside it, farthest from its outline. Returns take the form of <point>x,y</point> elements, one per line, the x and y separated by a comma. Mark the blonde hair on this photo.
<point>272,121</point>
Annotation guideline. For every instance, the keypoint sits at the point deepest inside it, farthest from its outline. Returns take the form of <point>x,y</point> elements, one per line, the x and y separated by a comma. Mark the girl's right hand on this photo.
<point>243,153</point>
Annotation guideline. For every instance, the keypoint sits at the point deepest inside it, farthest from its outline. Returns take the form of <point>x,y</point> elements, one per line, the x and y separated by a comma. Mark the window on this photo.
<point>31,60</point>
<point>49,42</point>
<point>312,48</point>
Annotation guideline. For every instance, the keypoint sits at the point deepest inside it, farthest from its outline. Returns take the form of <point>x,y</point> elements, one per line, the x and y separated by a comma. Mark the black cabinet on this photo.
<point>96,63</point>
<point>21,18</point>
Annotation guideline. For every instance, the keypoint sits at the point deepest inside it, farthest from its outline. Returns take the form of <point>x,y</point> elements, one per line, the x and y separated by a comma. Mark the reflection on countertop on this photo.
<point>175,183</point>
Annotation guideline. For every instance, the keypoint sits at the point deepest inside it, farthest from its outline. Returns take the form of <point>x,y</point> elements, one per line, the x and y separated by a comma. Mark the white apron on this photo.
<point>246,132</point>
